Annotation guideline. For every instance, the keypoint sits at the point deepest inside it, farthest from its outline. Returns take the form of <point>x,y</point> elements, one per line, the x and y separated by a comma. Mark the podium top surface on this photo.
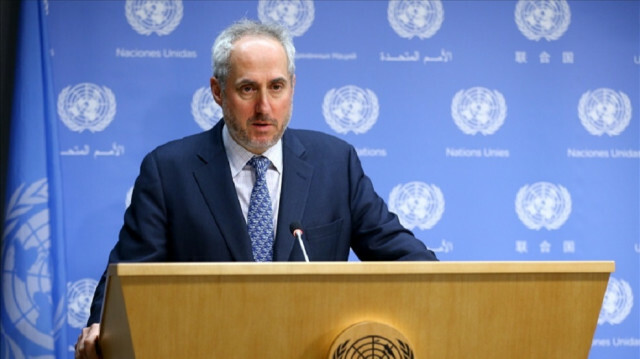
<point>374,268</point>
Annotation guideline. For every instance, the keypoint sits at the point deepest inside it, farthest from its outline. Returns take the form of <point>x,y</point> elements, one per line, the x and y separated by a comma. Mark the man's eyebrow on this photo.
<point>245,82</point>
<point>279,79</point>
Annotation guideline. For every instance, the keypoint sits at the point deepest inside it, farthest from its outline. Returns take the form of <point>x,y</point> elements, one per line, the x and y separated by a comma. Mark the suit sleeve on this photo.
<point>143,237</point>
<point>376,233</point>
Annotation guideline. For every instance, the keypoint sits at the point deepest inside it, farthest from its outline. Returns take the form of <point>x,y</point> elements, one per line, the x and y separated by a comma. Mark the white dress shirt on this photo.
<point>244,176</point>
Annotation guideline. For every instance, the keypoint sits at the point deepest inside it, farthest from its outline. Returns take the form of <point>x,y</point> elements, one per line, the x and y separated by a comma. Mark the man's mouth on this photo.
<point>262,123</point>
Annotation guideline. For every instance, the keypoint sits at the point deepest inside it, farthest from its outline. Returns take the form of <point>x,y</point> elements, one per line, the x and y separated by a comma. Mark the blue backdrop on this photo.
<point>496,130</point>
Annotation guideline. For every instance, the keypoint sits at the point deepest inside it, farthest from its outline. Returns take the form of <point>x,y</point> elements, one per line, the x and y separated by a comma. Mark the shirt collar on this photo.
<point>238,156</point>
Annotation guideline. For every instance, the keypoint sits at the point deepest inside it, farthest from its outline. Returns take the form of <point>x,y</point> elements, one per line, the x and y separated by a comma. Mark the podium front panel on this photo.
<point>296,310</point>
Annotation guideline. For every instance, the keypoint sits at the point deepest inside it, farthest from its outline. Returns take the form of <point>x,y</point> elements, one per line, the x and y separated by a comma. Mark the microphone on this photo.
<point>296,230</point>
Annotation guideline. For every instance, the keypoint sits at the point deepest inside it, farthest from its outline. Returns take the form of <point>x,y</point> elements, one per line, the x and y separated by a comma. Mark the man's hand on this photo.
<point>87,345</point>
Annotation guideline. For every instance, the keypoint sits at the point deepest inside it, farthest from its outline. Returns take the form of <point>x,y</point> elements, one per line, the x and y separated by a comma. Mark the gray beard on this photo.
<point>241,137</point>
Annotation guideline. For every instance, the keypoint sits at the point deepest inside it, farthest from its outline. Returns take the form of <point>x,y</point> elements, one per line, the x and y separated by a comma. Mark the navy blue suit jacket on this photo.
<point>185,207</point>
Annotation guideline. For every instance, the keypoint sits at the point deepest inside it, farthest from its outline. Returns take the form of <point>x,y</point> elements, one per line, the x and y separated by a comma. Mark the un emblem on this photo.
<point>86,107</point>
<point>543,204</point>
<point>421,18</point>
<point>417,204</point>
<point>79,297</point>
<point>149,16</point>
<point>542,19</point>
<point>604,111</point>
<point>371,340</point>
<point>617,303</point>
<point>350,108</point>
<point>204,109</point>
<point>478,110</point>
<point>26,271</point>
<point>296,15</point>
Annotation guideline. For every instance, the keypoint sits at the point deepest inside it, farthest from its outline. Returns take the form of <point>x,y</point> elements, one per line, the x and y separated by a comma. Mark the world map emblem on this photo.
<point>417,204</point>
<point>537,19</point>
<point>296,15</point>
<point>373,347</point>
<point>478,110</point>
<point>154,16</point>
<point>350,109</point>
<point>86,106</point>
<point>617,303</point>
<point>604,111</point>
<point>26,288</point>
<point>79,298</point>
<point>421,18</point>
<point>543,204</point>
<point>371,340</point>
<point>205,111</point>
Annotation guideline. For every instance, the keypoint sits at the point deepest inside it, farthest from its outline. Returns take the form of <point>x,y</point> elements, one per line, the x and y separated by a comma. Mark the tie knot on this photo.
<point>260,163</point>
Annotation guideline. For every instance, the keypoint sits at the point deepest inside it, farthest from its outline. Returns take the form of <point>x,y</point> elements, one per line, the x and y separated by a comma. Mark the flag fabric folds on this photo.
<point>32,305</point>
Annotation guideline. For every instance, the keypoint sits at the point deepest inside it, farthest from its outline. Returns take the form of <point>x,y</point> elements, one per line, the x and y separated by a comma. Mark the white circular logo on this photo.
<point>478,110</point>
<point>149,16</point>
<point>542,19</point>
<point>350,108</point>
<point>86,106</point>
<point>617,303</point>
<point>204,109</point>
<point>417,204</point>
<point>79,297</point>
<point>296,15</point>
<point>543,204</point>
<point>26,268</point>
<point>604,111</point>
<point>421,18</point>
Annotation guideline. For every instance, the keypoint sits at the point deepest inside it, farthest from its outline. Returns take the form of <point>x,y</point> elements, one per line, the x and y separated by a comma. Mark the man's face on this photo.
<point>257,98</point>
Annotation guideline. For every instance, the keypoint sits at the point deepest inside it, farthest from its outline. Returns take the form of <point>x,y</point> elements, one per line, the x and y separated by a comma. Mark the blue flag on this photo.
<point>33,268</point>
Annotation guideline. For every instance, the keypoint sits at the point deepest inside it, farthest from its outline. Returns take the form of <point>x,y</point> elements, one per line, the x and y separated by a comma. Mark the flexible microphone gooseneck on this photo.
<point>296,230</point>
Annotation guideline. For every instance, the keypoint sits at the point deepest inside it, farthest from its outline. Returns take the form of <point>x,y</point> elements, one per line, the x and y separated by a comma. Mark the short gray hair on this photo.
<point>221,50</point>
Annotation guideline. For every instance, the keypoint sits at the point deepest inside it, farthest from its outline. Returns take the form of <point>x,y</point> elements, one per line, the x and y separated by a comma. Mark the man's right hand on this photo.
<point>87,345</point>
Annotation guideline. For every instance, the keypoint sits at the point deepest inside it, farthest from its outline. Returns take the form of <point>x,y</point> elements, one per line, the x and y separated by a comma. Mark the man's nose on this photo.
<point>262,103</point>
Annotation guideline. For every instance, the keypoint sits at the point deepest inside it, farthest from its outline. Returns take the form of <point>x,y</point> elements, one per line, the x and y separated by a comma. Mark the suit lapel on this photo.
<point>215,183</point>
<point>296,181</point>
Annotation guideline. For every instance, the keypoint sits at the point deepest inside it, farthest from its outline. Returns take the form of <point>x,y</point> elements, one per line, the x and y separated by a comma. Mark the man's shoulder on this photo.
<point>196,140</point>
<point>187,148</point>
<point>311,139</point>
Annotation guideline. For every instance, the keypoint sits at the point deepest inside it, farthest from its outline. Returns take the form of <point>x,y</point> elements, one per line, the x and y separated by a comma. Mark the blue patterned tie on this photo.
<point>259,218</point>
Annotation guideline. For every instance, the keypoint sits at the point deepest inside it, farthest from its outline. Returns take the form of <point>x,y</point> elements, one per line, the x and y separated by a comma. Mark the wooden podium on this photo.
<point>297,310</point>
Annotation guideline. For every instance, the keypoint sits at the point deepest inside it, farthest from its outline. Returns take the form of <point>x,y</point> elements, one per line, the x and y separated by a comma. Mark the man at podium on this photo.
<point>238,191</point>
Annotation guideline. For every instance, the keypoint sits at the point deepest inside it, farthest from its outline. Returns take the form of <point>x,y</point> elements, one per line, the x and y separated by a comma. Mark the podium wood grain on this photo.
<point>295,310</point>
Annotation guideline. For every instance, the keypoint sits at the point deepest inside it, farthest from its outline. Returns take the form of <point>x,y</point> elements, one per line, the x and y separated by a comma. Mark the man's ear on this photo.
<point>216,90</point>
